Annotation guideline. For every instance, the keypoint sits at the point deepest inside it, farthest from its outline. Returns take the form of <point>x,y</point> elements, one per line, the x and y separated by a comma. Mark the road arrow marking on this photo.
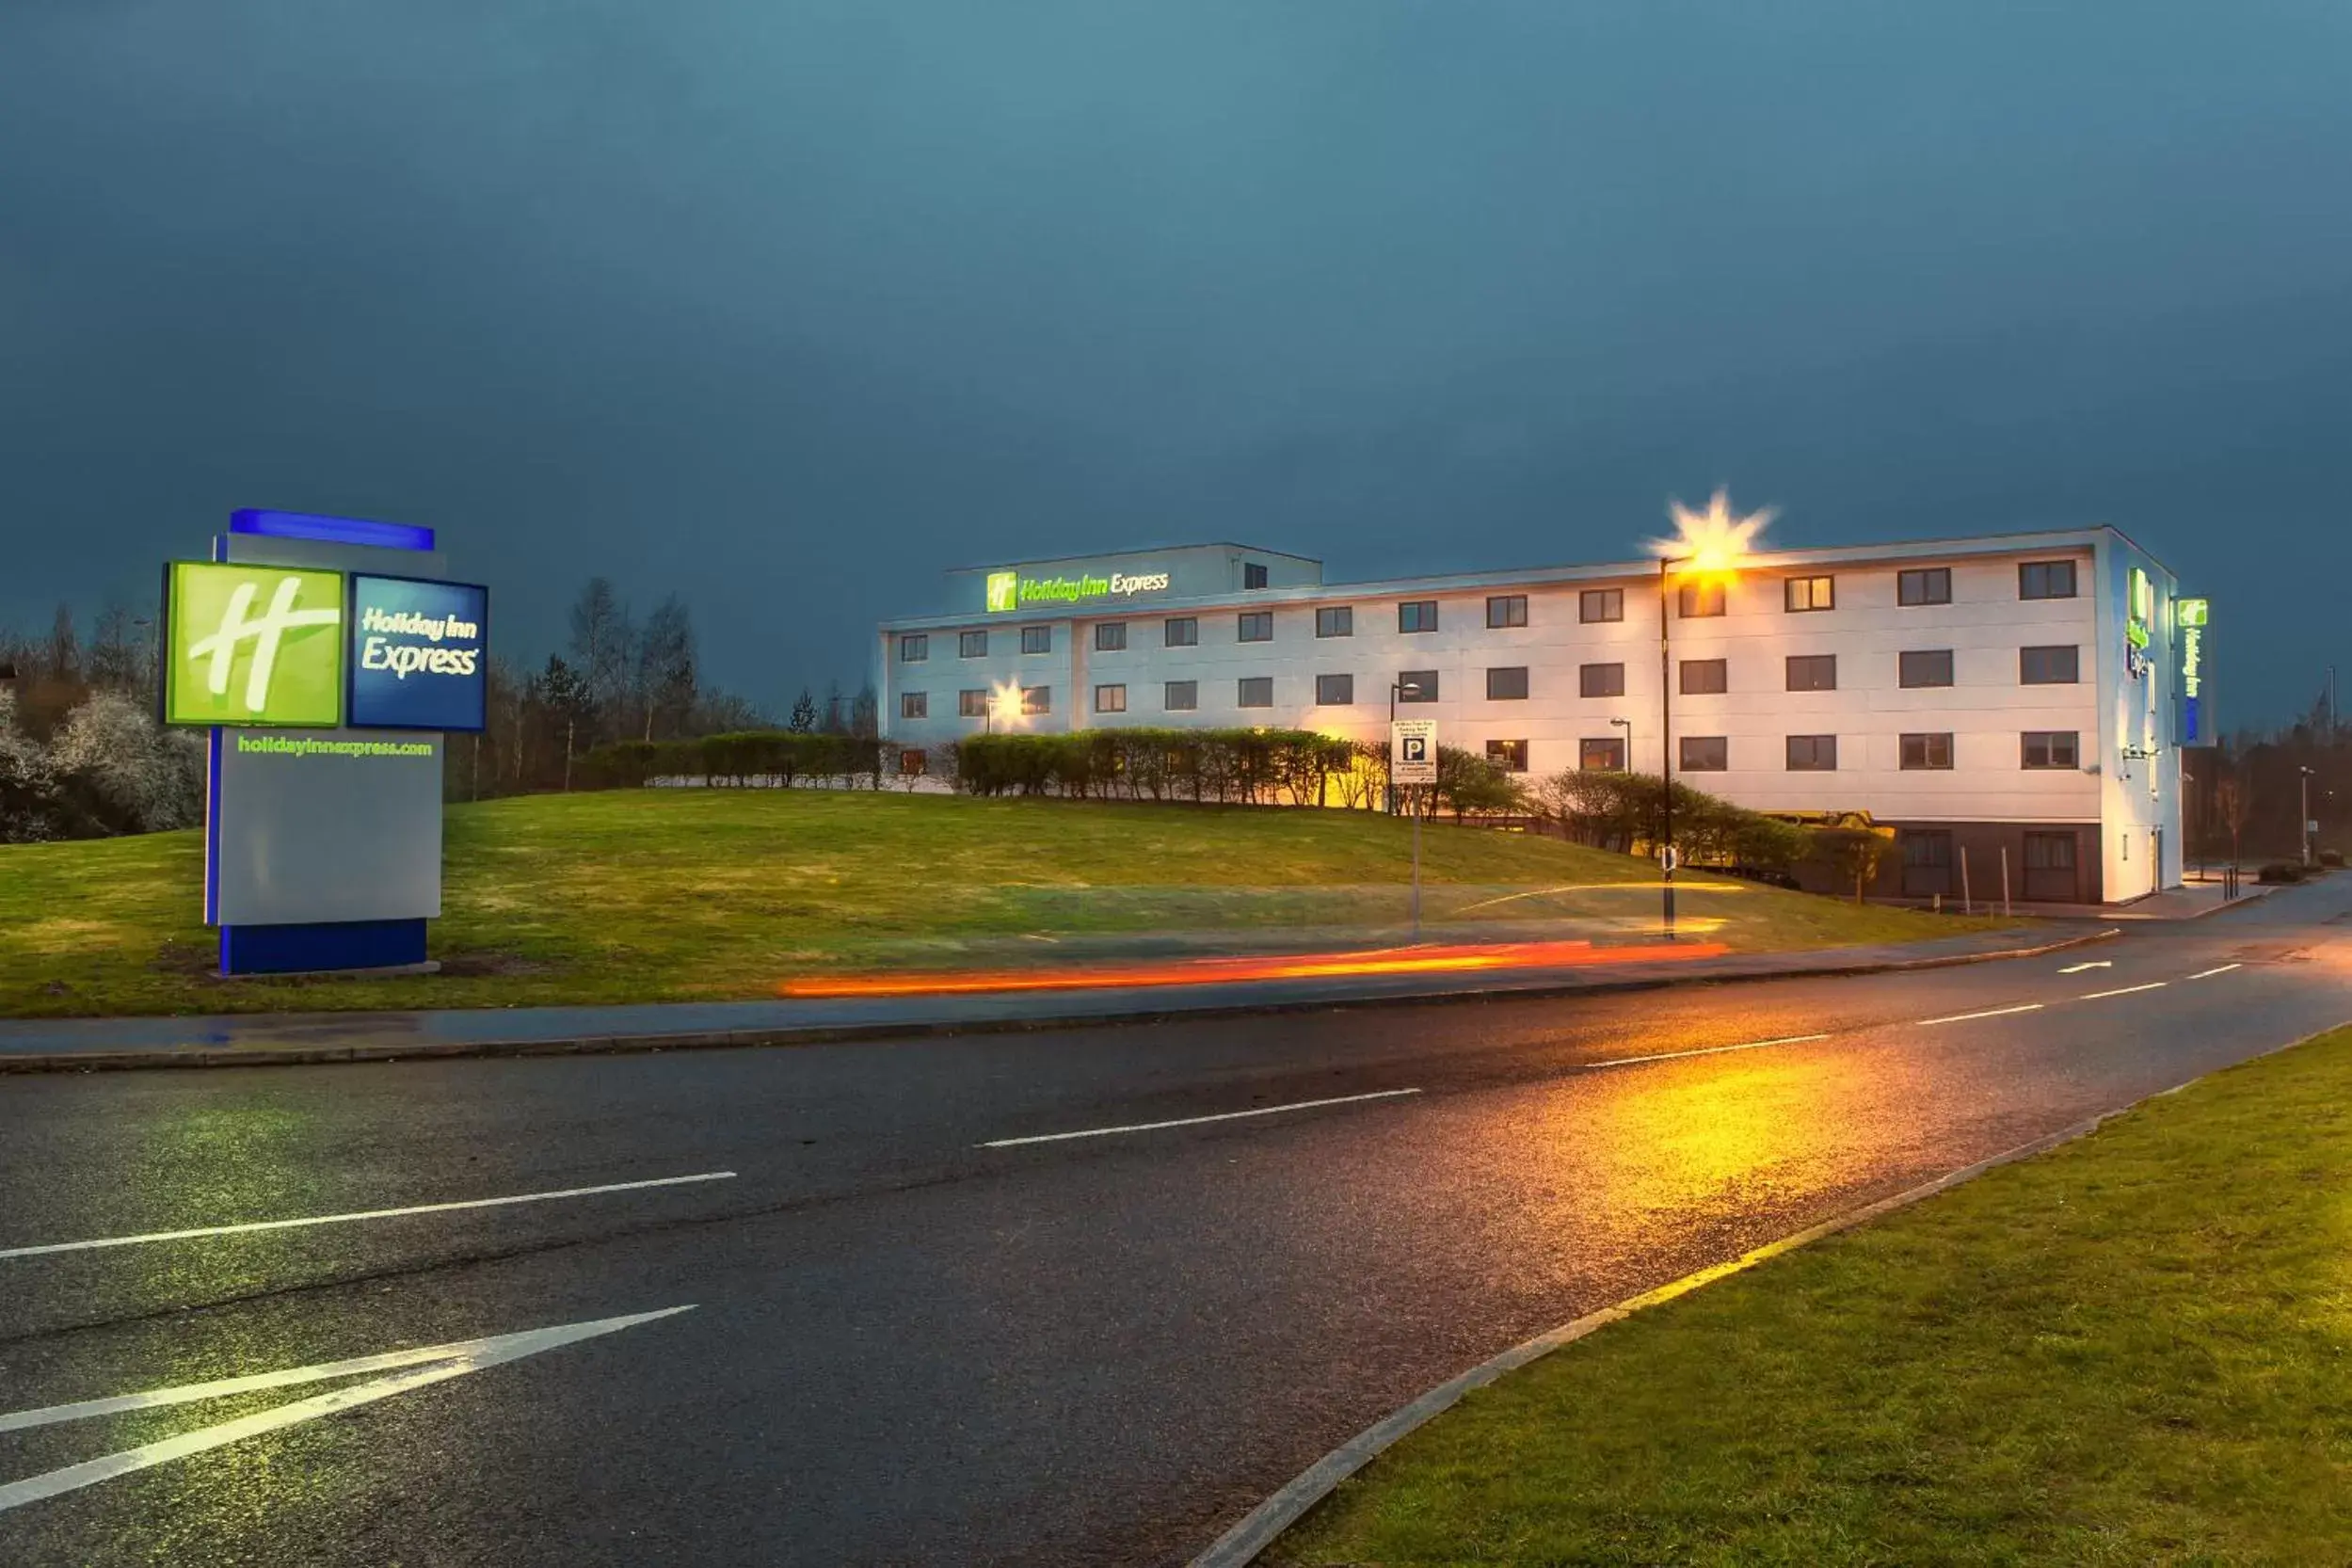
<point>2099,964</point>
<point>420,1368</point>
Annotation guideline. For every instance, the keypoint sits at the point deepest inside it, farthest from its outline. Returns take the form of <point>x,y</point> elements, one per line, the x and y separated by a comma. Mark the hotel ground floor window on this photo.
<point>1602,755</point>
<point>1510,756</point>
<point>1704,753</point>
<point>1110,700</point>
<point>1181,696</point>
<point>914,705</point>
<point>1417,685</point>
<point>1927,751</point>
<point>1256,691</point>
<point>913,763</point>
<point>1813,754</point>
<point>972,705</point>
<point>2050,866</point>
<point>1037,699</point>
<point>1334,691</point>
<point>1927,862</point>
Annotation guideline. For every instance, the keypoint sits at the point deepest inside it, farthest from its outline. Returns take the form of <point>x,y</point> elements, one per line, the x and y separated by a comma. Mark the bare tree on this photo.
<point>2234,803</point>
<point>63,655</point>
<point>665,667</point>
<point>601,645</point>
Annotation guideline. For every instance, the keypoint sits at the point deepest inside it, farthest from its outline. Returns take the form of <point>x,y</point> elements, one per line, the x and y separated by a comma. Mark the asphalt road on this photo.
<point>908,1347</point>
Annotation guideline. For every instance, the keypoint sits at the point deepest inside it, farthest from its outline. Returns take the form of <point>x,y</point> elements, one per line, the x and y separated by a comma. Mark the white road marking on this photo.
<point>1992,1012</point>
<point>435,1364</point>
<point>2152,985</point>
<point>1195,1121</point>
<point>2225,969</point>
<point>363,1214</point>
<point>2096,964</point>
<point>1702,1051</point>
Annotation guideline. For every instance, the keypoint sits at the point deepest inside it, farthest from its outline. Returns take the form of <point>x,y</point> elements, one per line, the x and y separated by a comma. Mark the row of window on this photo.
<point>2038,749</point>
<point>1923,586</point>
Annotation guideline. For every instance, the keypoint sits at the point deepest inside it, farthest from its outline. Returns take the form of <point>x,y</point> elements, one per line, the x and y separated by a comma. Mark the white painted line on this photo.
<point>1195,1121</point>
<point>1702,1051</point>
<point>1992,1012</point>
<point>2152,985</point>
<point>363,1214</point>
<point>436,1364</point>
<point>2204,974</point>
<point>2077,968</point>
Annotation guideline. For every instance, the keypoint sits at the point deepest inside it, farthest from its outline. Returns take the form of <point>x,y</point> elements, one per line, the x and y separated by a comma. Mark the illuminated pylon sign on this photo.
<point>228,661</point>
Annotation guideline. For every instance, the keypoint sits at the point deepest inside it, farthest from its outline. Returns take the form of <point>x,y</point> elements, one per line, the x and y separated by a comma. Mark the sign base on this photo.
<point>326,945</point>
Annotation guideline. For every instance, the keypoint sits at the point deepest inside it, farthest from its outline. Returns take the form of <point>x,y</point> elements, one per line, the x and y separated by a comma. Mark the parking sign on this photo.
<point>1413,751</point>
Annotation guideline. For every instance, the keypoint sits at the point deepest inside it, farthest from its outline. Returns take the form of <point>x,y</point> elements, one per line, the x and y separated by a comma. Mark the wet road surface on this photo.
<point>1024,1300</point>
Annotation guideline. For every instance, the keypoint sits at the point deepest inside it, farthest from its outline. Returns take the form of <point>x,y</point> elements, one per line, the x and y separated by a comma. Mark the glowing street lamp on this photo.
<point>1004,702</point>
<point>1709,546</point>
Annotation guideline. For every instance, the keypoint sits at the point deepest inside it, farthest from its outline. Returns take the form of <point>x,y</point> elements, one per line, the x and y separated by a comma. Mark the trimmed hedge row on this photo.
<point>762,756</point>
<point>1290,767</point>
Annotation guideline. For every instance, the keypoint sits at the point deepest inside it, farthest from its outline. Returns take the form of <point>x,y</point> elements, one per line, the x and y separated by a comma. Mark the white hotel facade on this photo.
<point>2014,697</point>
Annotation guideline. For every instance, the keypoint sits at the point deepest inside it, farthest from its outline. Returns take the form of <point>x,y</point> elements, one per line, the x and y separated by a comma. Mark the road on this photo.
<point>916,1338</point>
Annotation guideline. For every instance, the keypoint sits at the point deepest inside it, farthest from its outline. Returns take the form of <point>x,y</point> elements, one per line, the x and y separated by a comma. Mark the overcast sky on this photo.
<point>787,306</point>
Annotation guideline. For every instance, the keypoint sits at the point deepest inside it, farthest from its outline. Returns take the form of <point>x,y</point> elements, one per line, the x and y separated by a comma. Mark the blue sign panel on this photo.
<point>420,654</point>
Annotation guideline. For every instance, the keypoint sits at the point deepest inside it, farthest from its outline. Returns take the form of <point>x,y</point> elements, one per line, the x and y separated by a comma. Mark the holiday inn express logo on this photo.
<point>1010,590</point>
<point>253,645</point>
<point>1004,590</point>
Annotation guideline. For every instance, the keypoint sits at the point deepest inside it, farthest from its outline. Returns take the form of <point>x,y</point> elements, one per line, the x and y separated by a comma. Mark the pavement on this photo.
<point>1075,1296</point>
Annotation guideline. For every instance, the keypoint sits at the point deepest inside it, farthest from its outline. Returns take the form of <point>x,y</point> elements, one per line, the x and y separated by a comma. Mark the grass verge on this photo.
<point>678,895</point>
<point>2135,1349</point>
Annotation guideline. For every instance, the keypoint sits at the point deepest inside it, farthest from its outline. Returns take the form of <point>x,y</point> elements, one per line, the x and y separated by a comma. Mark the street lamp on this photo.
<point>1408,688</point>
<point>1004,701</point>
<point>2303,823</point>
<point>1625,725</point>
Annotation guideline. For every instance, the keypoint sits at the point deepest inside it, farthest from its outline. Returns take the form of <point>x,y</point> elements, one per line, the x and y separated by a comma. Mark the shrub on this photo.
<point>1294,767</point>
<point>2331,857</point>
<point>2280,871</point>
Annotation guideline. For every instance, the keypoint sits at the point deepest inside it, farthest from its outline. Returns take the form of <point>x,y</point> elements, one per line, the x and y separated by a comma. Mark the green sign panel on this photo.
<point>1010,590</point>
<point>252,645</point>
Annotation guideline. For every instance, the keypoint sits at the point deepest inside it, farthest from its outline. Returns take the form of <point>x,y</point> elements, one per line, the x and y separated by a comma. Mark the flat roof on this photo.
<point>1136,550</point>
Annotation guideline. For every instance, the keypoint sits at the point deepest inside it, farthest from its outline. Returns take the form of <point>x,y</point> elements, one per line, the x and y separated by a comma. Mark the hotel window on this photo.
<point>971,645</point>
<point>1180,696</point>
<point>1417,685</point>
<point>2053,748</point>
<point>1336,620</point>
<point>2045,580</point>
<point>1506,610</point>
<point>912,762</point>
<point>1257,626</point>
<point>914,705</point>
<point>2049,852</point>
<point>1698,601</point>
<point>1600,680</point>
<point>1036,639</point>
<point>1927,849</point>
<point>972,705</point>
<point>1813,672</point>
<point>1110,700</point>
<point>1253,574</point>
<point>1180,632</point>
<point>2049,666</point>
<point>1924,586</point>
<point>1417,615</point>
<point>1705,677</point>
<point>1601,756</point>
<point>914,648</point>
<point>1507,683</point>
<point>1037,699</point>
<point>1601,605</point>
<point>1510,756</point>
<point>1110,636</point>
<point>1930,752</point>
<point>1925,667</point>
<point>1256,691</point>
<point>1810,593</point>
<point>1813,754</point>
<point>1705,754</point>
<point>1334,691</point>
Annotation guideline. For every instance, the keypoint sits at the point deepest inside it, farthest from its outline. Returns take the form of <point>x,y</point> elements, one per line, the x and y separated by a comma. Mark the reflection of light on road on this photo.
<point>1494,958</point>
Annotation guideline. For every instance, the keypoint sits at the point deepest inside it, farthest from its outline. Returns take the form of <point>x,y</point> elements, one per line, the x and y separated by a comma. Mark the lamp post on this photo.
<point>1665,748</point>
<point>1625,725</point>
<point>2303,823</point>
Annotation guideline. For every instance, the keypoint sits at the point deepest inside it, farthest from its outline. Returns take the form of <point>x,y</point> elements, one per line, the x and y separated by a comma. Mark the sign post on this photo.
<point>1413,761</point>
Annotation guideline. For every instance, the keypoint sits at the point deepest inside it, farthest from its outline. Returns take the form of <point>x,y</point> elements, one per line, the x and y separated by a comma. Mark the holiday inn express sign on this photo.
<point>1010,590</point>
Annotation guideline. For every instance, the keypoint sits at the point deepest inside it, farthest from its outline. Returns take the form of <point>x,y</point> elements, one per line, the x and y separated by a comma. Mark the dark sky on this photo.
<point>787,306</point>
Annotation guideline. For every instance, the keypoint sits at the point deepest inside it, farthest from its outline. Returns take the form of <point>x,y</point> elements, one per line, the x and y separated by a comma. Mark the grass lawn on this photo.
<point>695,894</point>
<point>2137,1349</point>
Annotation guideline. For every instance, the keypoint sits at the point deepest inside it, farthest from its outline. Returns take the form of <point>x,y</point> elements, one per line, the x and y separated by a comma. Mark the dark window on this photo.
<point>1705,677</point>
<point>914,648</point>
<point>1600,680</point>
<point>1601,755</point>
<point>1927,751</point>
<point>1036,639</point>
<point>1110,700</point>
<point>1510,756</point>
<point>1336,620</point>
<point>1257,626</point>
<point>1507,683</point>
<point>1700,599</point>
<point>1180,632</point>
<point>1924,586</point>
<point>1417,685</point>
<point>1253,574</point>
<point>1334,691</point>
<point>1812,753</point>
<point>1813,672</point>
<point>1927,849</point>
<point>1417,615</point>
<point>912,762</point>
<point>1256,691</point>
<point>1506,610</point>
<point>972,705</point>
<point>1037,699</point>
<point>1601,605</point>
<point>1812,593</point>
<point>2049,852</point>
<point>2049,666</point>
<point>1110,636</point>
<point>914,705</point>
<point>2053,748</point>
<point>1181,696</point>
<point>1927,666</point>
<point>1705,754</point>
<point>2045,580</point>
<point>971,645</point>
